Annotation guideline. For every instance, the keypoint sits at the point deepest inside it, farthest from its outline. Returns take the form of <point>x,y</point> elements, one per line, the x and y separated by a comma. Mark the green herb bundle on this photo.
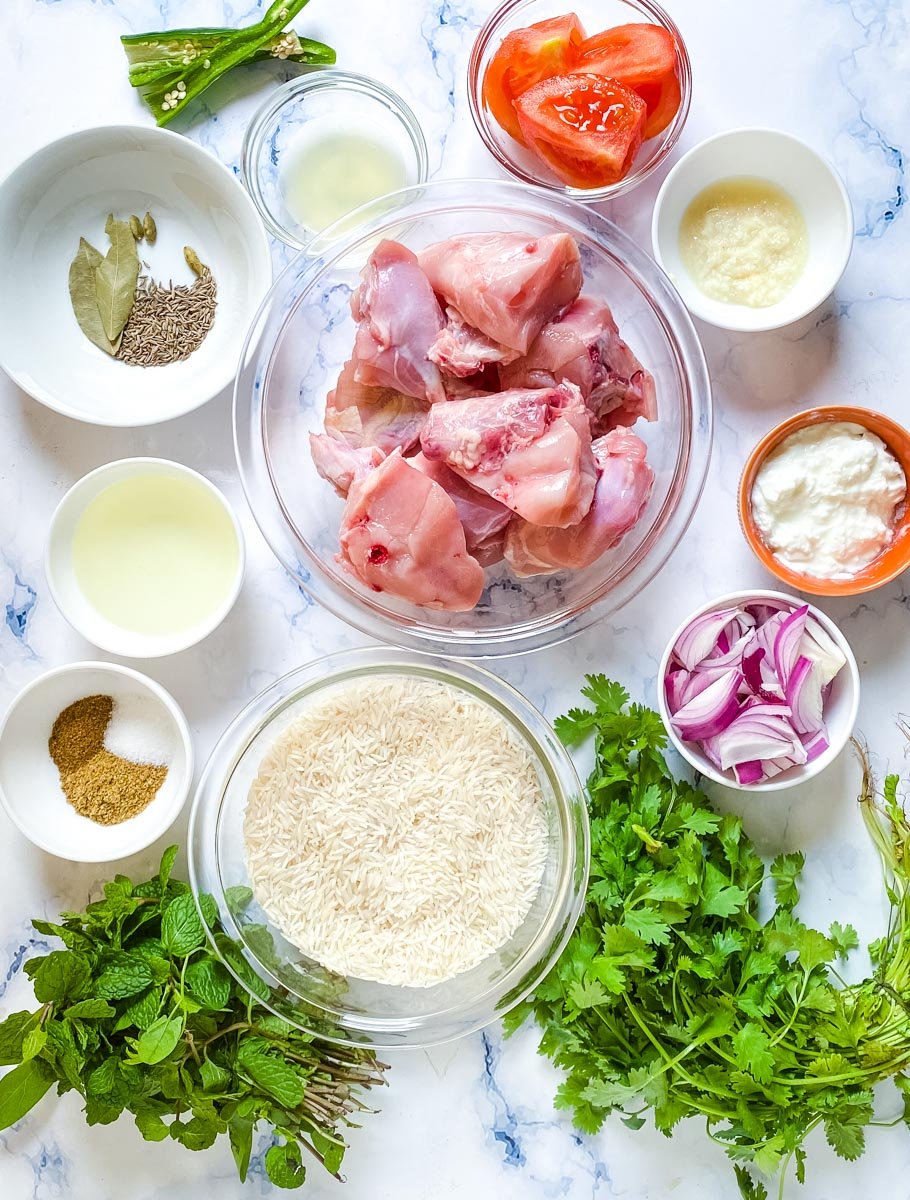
<point>673,998</point>
<point>138,1016</point>
<point>174,67</point>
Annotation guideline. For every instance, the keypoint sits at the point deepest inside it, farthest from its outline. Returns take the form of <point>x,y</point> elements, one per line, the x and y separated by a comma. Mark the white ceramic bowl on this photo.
<point>30,788</point>
<point>791,164</point>
<point>840,709</point>
<point>64,586</point>
<point>65,191</point>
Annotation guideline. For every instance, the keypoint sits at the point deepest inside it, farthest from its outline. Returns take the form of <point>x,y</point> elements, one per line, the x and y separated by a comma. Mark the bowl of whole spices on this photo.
<point>96,761</point>
<point>133,263</point>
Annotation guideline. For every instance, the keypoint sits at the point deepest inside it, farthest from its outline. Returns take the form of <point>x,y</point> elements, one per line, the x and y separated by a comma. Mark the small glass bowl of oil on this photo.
<point>325,144</point>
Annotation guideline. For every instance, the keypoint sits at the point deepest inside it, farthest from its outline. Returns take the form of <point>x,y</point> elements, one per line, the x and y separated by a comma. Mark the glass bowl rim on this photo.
<point>572,840</point>
<point>492,27</point>
<point>656,291</point>
<point>319,79</point>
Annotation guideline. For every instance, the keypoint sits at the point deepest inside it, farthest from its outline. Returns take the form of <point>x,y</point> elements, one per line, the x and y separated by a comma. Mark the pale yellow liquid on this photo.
<point>744,241</point>
<point>155,554</point>
<point>332,168</point>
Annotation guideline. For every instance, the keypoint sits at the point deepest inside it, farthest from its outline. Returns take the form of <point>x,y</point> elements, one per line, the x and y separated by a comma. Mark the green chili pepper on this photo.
<point>174,67</point>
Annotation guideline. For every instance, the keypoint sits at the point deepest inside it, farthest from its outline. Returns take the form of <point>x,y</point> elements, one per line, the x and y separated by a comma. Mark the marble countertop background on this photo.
<point>476,1119</point>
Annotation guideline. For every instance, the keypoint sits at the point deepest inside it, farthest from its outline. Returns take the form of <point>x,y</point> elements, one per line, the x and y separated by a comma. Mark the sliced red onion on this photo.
<point>750,685</point>
<point>732,657</point>
<point>787,643</point>
<point>749,737</point>
<point>751,668</point>
<point>815,745</point>
<point>673,688</point>
<point>749,772</point>
<point>804,695</point>
<point>701,637</point>
<point>710,712</point>
<point>823,650</point>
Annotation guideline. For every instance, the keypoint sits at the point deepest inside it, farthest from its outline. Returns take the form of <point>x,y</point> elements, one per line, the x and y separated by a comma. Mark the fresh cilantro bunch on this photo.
<point>138,1016</point>
<point>671,997</point>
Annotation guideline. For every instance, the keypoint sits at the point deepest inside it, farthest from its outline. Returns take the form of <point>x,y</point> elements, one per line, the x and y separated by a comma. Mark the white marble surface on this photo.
<point>476,1120</point>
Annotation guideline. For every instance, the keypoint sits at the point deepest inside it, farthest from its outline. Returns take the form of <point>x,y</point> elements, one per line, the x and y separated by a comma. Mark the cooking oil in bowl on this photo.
<point>156,554</point>
<point>334,165</point>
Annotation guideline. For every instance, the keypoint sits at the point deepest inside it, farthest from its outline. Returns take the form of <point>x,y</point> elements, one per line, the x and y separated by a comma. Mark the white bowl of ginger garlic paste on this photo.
<point>789,165</point>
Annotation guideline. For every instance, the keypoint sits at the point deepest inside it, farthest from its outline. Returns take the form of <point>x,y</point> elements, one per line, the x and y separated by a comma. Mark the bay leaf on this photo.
<point>115,279</point>
<point>84,299</point>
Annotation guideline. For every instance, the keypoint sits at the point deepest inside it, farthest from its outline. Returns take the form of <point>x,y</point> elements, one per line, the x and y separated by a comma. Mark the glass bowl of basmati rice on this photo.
<point>304,332</point>
<point>397,846</point>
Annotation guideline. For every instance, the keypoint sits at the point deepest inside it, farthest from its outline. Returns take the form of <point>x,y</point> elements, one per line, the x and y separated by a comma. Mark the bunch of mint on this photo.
<point>138,1015</point>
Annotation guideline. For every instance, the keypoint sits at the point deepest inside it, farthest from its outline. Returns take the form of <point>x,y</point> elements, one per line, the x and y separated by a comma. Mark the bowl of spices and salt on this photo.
<point>96,761</point>
<point>397,844</point>
<point>133,263</point>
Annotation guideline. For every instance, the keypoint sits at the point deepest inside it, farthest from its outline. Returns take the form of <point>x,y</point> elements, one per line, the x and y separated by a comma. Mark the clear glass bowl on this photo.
<point>295,111</point>
<point>304,332</point>
<point>595,16</point>
<point>354,1010</point>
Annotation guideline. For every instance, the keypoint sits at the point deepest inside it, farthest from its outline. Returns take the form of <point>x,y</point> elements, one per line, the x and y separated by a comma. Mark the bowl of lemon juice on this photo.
<point>324,145</point>
<point>144,557</point>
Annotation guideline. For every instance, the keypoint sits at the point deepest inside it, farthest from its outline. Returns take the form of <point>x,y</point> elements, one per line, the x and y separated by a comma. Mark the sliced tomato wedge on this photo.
<point>633,54</point>
<point>525,57</point>
<point>586,127</point>
<point>662,101</point>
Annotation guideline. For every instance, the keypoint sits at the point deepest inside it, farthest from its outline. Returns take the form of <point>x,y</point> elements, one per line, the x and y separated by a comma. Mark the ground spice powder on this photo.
<point>99,785</point>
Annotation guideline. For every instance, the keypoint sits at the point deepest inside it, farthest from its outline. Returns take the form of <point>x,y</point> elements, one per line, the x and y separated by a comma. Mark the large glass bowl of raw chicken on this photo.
<point>473,419</point>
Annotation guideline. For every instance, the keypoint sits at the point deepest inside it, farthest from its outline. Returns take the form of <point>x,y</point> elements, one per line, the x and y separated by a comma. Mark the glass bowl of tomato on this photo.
<point>296,351</point>
<point>586,102</point>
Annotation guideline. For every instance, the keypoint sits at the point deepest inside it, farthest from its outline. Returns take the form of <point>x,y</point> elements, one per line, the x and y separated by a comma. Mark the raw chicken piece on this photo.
<point>584,347</point>
<point>372,416</point>
<point>482,517</point>
<point>339,463</point>
<point>463,351</point>
<point>392,424</point>
<point>507,285</point>
<point>529,449</point>
<point>399,318</point>
<point>400,534</point>
<point>492,549</point>
<point>623,488</point>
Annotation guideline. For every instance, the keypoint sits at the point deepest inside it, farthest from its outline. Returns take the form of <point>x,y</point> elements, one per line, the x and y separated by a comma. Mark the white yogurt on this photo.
<point>826,500</point>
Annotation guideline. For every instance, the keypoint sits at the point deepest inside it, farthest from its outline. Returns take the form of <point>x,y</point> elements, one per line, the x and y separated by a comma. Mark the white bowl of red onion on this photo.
<point>758,690</point>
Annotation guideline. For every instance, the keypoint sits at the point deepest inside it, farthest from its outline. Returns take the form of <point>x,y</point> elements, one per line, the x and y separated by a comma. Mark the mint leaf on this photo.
<point>240,1134</point>
<point>273,1075</point>
<point>283,1165</point>
<point>158,1041</point>
<point>60,975</point>
<point>214,1078</point>
<point>21,1089</point>
<point>238,897</point>
<point>125,976</point>
<point>12,1033</point>
<point>168,858</point>
<point>181,928</point>
<point>90,1010</point>
<point>150,1125</point>
<point>209,982</point>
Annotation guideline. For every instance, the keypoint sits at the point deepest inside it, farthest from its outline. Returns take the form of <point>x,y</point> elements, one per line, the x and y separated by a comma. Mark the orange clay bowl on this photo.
<point>891,562</point>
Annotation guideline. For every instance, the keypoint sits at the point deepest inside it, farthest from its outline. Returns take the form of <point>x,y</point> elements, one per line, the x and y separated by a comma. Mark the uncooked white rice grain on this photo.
<point>396,831</point>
